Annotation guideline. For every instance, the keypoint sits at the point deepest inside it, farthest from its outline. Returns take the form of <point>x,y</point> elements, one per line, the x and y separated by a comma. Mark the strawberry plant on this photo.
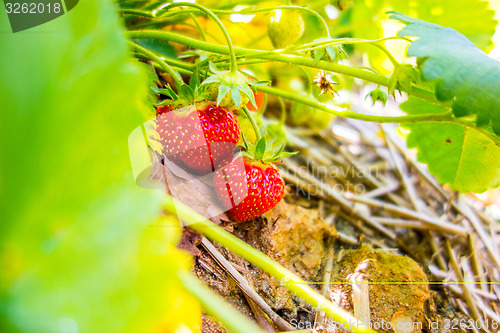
<point>85,249</point>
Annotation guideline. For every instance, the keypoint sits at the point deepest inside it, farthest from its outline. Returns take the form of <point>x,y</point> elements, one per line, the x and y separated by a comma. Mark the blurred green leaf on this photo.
<point>111,271</point>
<point>76,247</point>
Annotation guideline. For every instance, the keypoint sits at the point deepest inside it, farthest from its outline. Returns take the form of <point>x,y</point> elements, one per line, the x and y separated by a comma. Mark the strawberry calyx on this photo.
<point>402,78</point>
<point>231,90</point>
<point>267,152</point>
<point>187,93</point>
<point>333,53</point>
<point>377,95</point>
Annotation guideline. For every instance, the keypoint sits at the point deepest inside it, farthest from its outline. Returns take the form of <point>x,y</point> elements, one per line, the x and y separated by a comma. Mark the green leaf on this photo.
<point>213,68</point>
<point>463,73</point>
<point>187,93</point>
<point>211,79</point>
<point>99,276</point>
<point>471,18</point>
<point>460,156</point>
<point>333,53</point>
<point>277,150</point>
<point>194,80</point>
<point>245,143</point>
<point>235,94</point>
<point>260,149</point>
<point>258,83</point>
<point>247,91</point>
<point>336,53</point>
<point>168,91</point>
<point>223,90</point>
<point>318,55</point>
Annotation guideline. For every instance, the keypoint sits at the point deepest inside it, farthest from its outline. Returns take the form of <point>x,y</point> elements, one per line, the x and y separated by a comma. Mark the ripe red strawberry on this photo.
<point>248,188</point>
<point>200,135</point>
<point>162,109</point>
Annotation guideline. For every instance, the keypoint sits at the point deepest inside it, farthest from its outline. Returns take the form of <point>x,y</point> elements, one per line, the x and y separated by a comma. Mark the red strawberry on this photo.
<point>248,188</point>
<point>162,109</point>
<point>200,135</point>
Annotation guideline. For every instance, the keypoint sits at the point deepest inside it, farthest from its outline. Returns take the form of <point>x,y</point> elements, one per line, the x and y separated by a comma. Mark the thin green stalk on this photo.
<point>136,12</point>
<point>273,56</point>
<point>342,41</point>
<point>233,67</point>
<point>338,41</point>
<point>166,19</point>
<point>200,29</point>
<point>387,53</point>
<point>217,307</point>
<point>308,78</point>
<point>259,259</point>
<point>283,112</point>
<point>246,62</point>
<point>158,67</point>
<point>253,122</point>
<point>408,119</point>
<point>320,18</point>
<point>180,63</point>
<point>354,115</point>
<point>175,75</point>
<point>328,66</point>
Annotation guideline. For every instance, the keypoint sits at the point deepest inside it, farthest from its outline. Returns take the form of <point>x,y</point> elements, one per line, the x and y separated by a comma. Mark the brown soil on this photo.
<point>388,302</point>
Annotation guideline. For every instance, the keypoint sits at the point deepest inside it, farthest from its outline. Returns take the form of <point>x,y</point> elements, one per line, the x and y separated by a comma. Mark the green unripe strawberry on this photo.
<point>342,4</point>
<point>220,88</point>
<point>285,27</point>
<point>305,115</point>
<point>227,101</point>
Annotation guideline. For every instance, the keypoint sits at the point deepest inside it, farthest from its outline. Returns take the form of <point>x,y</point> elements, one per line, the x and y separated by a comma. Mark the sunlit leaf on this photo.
<point>462,157</point>
<point>462,72</point>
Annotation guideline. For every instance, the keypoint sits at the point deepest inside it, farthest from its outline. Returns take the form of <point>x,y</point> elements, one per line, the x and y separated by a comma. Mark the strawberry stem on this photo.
<point>328,66</point>
<point>215,305</point>
<point>274,56</point>
<point>259,259</point>
<point>175,75</point>
<point>283,112</point>
<point>198,26</point>
<point>253,122</point>
<point>215,18</point>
